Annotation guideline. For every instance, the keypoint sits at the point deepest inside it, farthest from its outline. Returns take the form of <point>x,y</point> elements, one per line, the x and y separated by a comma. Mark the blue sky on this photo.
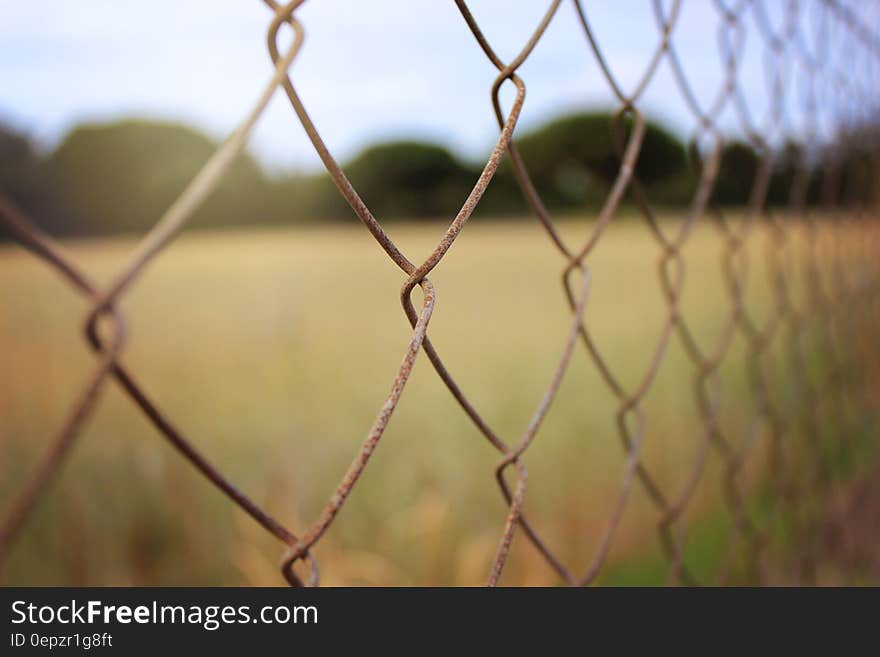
<point>368,70</point>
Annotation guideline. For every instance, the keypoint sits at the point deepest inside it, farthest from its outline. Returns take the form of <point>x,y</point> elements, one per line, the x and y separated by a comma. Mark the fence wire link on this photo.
<point>823,275</point>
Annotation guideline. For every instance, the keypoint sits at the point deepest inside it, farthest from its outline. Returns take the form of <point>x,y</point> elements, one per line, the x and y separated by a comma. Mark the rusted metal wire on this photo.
<point>837,266</point>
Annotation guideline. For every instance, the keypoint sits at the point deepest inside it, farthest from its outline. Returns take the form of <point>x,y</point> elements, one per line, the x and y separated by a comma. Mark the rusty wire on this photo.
<point>839,303</point>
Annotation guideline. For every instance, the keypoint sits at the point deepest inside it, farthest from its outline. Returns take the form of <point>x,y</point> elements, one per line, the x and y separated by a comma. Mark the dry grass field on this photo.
<point>242,338</point>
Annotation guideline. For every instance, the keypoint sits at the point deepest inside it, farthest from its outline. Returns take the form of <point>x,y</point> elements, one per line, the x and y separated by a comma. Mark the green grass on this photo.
<point>274,350</point>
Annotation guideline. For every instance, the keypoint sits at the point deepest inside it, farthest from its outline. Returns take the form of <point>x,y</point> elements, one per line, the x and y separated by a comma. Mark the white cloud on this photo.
<point>368,69</point>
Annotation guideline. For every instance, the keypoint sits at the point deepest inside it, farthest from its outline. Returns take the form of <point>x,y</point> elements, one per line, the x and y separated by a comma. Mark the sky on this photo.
<point>368,71</point>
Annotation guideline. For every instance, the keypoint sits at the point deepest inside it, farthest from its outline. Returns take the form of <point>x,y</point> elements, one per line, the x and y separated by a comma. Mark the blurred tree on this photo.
<point>790,166</point>
<point>408,179</point>
<point>736,174</point>
<point>575,159</point>
<point>856,154</point>
<point>20,169</point>
<point>123,176</point>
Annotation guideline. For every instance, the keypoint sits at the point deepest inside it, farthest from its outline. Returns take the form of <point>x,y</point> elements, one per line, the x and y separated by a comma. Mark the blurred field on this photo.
<point>242,338</point>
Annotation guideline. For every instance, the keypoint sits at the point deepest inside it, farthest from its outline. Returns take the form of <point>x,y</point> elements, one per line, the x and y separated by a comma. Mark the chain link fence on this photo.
<point>823,262</point>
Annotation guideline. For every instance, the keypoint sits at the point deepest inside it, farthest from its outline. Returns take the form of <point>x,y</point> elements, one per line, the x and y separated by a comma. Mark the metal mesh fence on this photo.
<point>822,263</point>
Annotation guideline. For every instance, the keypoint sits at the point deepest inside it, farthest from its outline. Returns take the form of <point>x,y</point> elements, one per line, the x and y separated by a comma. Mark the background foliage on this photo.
<point>120,177</point>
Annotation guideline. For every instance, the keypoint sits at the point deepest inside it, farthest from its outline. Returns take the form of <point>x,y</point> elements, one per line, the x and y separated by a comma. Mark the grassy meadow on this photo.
<point>244,339</point>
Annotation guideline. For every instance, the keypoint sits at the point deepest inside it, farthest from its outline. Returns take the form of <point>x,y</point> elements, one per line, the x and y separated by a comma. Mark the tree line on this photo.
<point>121,176</point>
